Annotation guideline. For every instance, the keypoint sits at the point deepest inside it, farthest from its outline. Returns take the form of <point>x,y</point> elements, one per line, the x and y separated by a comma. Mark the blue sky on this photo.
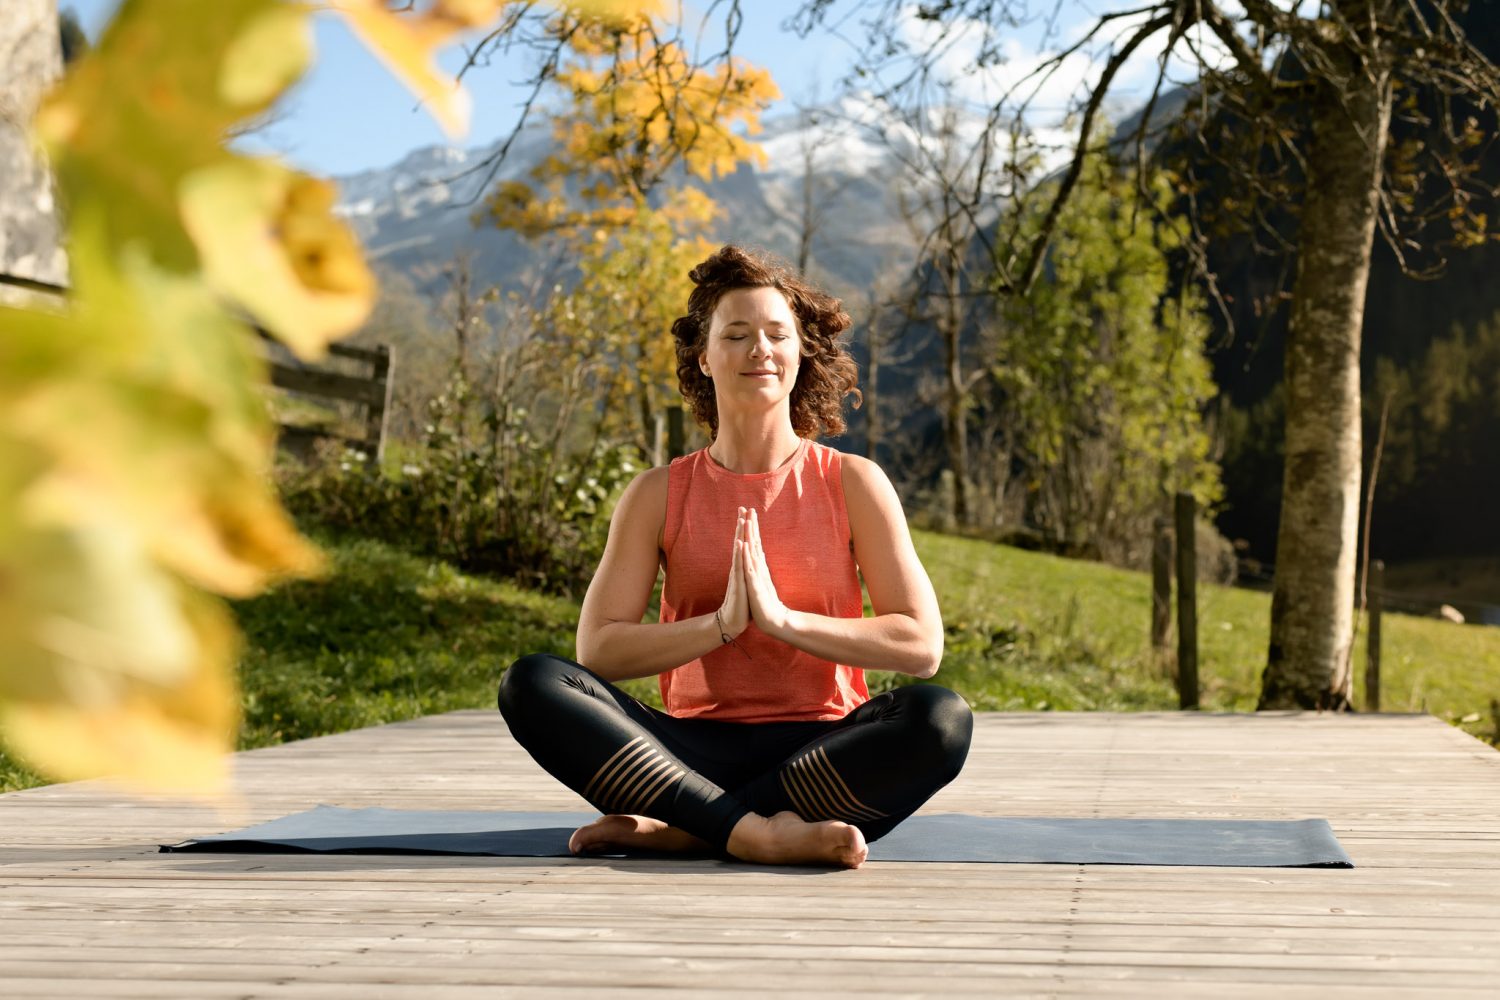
<point>350,114</point>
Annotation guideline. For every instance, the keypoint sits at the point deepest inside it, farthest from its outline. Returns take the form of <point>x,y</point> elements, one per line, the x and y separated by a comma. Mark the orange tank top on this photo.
<point>804,529</point>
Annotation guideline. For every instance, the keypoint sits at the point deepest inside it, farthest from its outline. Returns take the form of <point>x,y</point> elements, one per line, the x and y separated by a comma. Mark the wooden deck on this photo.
<point>88,908</point>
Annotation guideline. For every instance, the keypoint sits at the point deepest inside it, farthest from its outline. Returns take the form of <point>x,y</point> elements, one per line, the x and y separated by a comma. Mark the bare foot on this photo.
<point>638,832</point>
<point>788,839</point>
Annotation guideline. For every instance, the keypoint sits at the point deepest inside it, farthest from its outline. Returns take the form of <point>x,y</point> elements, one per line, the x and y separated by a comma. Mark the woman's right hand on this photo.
<point>734,613</point>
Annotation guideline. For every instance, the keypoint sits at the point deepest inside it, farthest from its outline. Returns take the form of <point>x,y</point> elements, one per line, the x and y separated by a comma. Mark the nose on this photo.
<point>760,344</point>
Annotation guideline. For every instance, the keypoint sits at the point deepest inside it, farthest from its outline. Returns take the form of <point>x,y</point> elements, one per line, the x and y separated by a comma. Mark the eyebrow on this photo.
<point>746,322</point>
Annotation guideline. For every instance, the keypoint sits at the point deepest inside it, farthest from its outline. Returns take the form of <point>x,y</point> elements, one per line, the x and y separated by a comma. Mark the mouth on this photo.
<point>759,374</point>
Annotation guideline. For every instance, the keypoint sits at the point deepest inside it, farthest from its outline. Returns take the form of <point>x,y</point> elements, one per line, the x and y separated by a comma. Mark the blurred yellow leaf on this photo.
<point>133,459</point>
<point>269,240</point>
<point>162,422</point>
<point>266,58</point>
<point>408,43</point>
<point>151,736</point>
<point>156,100</point>
<point>407,39</point>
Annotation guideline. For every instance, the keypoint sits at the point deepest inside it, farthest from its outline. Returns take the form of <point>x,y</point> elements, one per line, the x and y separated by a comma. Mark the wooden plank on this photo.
<point>331,385</point>
<point>88,907</point>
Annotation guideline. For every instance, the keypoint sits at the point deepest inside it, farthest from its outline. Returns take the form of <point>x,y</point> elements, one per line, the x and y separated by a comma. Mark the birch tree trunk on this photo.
<point>1312,602</point>
<point>30,61</point>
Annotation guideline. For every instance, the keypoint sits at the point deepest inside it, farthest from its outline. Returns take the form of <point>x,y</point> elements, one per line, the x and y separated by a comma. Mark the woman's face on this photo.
<point>754,347</point>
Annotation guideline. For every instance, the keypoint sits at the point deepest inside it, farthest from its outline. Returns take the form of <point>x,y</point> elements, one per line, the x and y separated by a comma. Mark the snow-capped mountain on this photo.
<point>419,211</point>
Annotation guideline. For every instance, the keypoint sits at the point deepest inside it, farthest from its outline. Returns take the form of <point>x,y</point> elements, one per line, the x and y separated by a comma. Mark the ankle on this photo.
<point>749,838</point>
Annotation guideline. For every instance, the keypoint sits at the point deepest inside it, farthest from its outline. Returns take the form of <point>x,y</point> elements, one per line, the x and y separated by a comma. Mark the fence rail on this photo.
<point>372,390</point>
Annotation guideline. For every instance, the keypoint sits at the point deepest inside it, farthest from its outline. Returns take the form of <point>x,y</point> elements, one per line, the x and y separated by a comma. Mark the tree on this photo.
<point>1099,373</point>
<point>1299,103</point>
<point>948,175</point>
<point>30,244</point>
<point>636,110</point>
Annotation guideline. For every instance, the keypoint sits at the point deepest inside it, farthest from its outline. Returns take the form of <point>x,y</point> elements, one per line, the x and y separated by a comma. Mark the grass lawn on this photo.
<point>393,636</point>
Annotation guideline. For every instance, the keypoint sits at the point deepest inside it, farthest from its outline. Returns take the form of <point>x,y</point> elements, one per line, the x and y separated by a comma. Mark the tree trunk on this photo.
<point>872,389</point>
<point>1312,603</point>
<point>957,401</point>
<point>30,61</point>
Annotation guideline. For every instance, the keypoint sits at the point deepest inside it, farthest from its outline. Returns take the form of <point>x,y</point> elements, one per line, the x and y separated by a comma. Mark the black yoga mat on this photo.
<point>1306,843</point>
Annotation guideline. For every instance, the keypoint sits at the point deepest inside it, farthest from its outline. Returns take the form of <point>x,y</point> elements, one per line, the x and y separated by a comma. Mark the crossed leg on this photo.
<point>653,776</point>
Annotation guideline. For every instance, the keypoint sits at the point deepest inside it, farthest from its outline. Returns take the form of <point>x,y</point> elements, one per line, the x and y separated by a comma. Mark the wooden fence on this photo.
<point>371,390</point>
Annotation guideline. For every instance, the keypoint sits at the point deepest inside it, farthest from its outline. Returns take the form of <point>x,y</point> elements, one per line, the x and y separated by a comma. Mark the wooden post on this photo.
<point>379,415</point>
<point>1372,641</point>
<point>1187,602</point>
<point>1161,584</point>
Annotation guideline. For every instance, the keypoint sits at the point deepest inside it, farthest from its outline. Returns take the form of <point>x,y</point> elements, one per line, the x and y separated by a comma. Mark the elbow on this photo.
<point>929,659</point>
<point>586,646</point>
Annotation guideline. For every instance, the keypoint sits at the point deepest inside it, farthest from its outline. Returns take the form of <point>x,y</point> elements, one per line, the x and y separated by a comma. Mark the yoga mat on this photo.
<point>1306,843</point>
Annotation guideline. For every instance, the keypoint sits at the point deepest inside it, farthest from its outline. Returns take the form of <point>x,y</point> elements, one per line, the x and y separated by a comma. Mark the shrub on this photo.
<point>482,491</point>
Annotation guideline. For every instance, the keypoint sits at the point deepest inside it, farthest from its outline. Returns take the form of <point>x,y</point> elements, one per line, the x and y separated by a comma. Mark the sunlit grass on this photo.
<point>1077,635</point>
<point>392,636</point>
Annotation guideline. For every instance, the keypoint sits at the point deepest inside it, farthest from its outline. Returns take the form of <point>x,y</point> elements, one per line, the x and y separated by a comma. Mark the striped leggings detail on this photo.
<point>631,780</point>
<point>814,785</point>
<point>872,768</point>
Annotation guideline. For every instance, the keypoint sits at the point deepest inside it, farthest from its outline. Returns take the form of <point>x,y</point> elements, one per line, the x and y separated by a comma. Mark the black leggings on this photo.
<point>872,768</point>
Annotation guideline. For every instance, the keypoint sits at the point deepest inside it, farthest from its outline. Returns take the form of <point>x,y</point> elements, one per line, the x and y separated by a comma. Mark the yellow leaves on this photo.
<point>134,465</point>
<point>647,111</point>
<point>266,58</point>
<point>407,45</point>
<point>161,727</point>
<point>194,72</point>
<point>134,447</point>
<point>133,468</point>
<point>149,169</point>
<point>269,240</point>
<point>407,40</point>
<point>616,13</point>
<point>690,209</point>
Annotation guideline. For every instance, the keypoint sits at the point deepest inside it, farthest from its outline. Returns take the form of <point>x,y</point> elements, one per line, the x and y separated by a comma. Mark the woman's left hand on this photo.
<point>766,609</point>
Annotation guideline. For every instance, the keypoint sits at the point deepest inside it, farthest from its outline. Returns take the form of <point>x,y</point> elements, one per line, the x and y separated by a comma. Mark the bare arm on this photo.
<point>906,634</point>
<point>613,642</point>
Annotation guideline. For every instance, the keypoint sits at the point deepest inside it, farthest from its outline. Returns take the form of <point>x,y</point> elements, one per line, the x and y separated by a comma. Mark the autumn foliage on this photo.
<point>134,442</point>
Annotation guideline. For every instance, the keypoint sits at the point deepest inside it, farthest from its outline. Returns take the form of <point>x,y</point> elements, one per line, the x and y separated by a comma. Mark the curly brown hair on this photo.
<point>826,374</point>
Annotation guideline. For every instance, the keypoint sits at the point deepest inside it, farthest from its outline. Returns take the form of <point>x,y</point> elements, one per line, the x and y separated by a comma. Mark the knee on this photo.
<point>527,677</point>
<point>942,721</point>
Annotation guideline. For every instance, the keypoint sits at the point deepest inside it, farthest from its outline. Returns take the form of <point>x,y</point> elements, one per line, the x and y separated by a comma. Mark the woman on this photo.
<point>770,748</point>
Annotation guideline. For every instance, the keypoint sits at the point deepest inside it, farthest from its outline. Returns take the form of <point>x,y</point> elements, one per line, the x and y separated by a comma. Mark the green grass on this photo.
<point>392,636</point>
<point>1033,631</point>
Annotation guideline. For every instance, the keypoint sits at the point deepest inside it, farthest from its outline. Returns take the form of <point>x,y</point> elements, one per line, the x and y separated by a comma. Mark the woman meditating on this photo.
<point>771,748</point>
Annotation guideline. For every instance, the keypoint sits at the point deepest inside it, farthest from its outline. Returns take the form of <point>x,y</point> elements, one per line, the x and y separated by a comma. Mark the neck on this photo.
<point>750,445</point>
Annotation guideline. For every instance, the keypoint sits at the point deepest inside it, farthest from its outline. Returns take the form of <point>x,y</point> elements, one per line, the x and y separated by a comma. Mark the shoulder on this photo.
<point>642,508</point>
<point>865,483</point>
<point>646,492</point>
